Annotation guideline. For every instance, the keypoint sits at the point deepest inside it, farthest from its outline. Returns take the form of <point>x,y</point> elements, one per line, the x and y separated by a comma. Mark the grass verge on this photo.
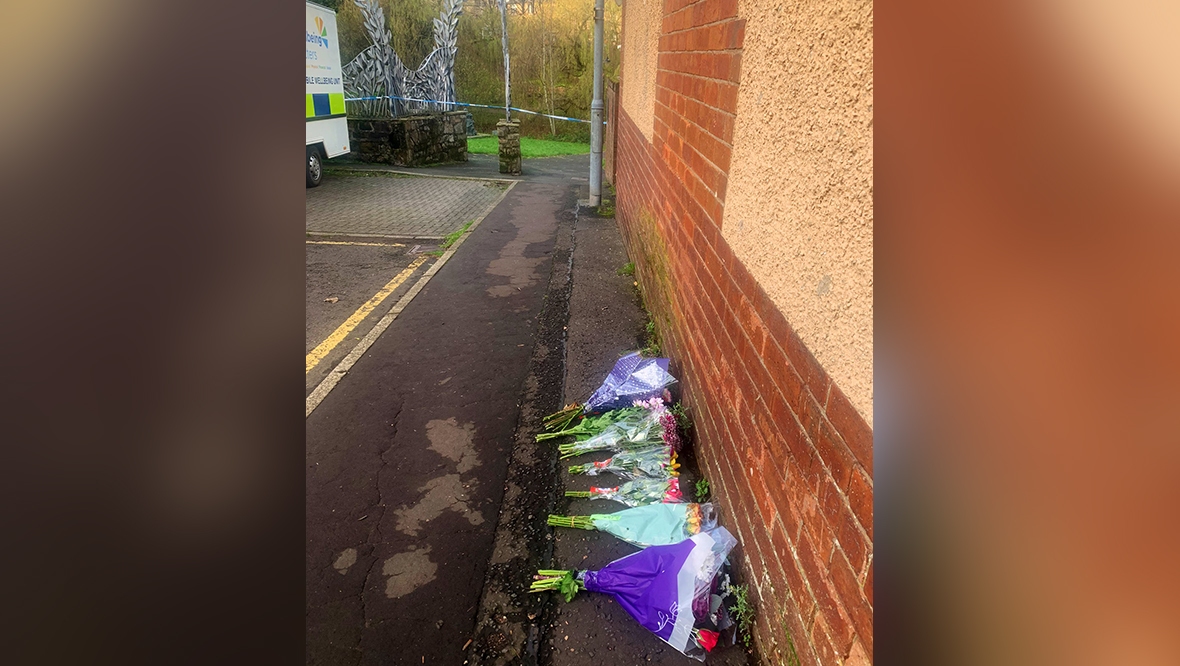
<point>529,147</point>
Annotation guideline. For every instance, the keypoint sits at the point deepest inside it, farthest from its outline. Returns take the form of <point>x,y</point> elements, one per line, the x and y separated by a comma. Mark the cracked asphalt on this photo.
<point>406,458</point>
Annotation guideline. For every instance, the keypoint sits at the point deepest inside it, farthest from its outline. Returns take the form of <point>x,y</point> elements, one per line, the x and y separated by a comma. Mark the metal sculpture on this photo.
<point>377,72</point>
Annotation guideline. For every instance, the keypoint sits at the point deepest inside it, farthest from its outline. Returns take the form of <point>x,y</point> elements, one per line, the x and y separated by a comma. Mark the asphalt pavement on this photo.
<point>351,284</point>
<point>407,455</point>
<point>426,492</point>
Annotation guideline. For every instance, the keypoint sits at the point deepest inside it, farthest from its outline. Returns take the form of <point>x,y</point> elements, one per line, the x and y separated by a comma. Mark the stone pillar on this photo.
<point>509,132</point>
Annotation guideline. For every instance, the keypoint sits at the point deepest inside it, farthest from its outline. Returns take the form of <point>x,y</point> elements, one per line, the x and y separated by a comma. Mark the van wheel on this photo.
<point>315,167</point>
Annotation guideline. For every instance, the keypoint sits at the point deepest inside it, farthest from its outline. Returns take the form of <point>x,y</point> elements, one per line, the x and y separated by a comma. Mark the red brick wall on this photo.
<point>789,458</point>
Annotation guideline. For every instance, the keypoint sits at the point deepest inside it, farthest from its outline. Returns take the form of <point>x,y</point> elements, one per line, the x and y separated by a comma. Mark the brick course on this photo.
<point>789,458</point>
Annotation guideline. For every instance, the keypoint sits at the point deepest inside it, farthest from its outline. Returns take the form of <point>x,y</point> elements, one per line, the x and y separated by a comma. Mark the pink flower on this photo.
<point>651,405</point>
<point>673,493</point>
<point>671,432</point>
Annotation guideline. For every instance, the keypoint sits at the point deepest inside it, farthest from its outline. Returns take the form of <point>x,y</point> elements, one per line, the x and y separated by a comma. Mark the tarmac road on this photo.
<point>406,456</point>
<point>351,284</point>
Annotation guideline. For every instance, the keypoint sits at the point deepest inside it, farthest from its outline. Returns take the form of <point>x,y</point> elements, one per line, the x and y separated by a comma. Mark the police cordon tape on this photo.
<point>480,106</point>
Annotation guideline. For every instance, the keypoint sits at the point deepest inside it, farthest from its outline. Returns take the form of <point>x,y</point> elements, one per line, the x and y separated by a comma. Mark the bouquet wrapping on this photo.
<point>649,525</point>
<point>633,378</point>
<point>636,493</point>
<point>657,462</point>
<point>653,426</point>
<point>671,590</point>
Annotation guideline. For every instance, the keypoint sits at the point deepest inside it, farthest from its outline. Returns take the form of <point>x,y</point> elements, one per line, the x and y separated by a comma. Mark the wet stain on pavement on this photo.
<point>408,571</point>
<point>344,561</point>
<point>450,440</point>
<point>512,263</point>
<point>445,493</point>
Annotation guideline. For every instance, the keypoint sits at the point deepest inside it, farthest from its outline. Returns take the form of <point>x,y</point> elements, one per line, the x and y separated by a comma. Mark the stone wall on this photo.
<point>509,133</point>
<point>438,138</point>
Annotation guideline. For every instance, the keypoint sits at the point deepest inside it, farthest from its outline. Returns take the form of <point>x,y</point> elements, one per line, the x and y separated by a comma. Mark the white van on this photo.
<point>327,123</point>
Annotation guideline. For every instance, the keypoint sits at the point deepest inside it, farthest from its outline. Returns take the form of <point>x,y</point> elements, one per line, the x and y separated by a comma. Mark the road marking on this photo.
<point>342,331</point>
<point>347,243</point>
<point>328,383</point>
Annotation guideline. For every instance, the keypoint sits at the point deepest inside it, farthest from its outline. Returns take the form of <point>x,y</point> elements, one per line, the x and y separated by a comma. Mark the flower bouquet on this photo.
<point>637,492</point>
<point>671,590</point>
<point>655,426</point>
<point>657,462</point>
<point>633,378</point>
<point>650,525</point>
<point>596,425</point>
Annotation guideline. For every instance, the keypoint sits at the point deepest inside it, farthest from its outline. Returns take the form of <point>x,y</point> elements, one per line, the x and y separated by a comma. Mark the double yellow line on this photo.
<point>324,348</point>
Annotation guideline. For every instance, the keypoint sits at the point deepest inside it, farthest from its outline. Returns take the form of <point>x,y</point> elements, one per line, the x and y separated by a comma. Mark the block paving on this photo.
<point>404,206</point>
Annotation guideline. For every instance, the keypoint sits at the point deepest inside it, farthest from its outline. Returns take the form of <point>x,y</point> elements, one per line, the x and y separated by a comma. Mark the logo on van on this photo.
<point>320,37</point>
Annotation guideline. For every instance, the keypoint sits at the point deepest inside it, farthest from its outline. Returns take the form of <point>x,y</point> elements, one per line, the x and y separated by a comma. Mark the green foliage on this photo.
<point>450,238</point>
<point>743,612</point>
<point>551,50</point>
<point>410,27</point>
<point>792,655</point>
<point>652,347</point>
<point>627,269</point>
<point>560,581</point>
<point>528,147</point>
<point>683,422</point>
<point>702,489</point>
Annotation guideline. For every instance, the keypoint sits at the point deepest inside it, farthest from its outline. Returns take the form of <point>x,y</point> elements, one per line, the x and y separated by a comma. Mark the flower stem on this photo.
<point>560,420</point>
<point>580,522</point>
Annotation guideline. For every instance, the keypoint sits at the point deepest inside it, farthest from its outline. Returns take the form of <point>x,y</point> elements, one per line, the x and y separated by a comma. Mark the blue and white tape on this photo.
<point>480,106</point>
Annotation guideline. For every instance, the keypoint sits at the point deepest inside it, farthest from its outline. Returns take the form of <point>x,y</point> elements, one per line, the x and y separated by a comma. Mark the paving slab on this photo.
<point>371,203</point>
<point>606,321</point>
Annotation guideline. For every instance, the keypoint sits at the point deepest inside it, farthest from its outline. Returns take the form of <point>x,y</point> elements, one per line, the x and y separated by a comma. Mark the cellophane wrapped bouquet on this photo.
<point>674,591</point>
<point>633,378</point>
<point>657,462</point>
<point>648,525</point>
<point>648,424</point>
<point>636,493</point>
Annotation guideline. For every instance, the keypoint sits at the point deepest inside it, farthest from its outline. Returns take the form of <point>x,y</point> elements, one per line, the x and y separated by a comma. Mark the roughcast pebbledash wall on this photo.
<point>744,172</point>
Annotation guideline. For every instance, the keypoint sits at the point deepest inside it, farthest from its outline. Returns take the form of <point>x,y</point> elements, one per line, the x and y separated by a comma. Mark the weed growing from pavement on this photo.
<point>792,656</point>
<point>702,489</point>
<point>652,348</point>
<point>743,612</point>
<point>683,421</point>
<point>606,210</point>
<point>454,235</point>
<point>627,269</point>
<point>366,173</point>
